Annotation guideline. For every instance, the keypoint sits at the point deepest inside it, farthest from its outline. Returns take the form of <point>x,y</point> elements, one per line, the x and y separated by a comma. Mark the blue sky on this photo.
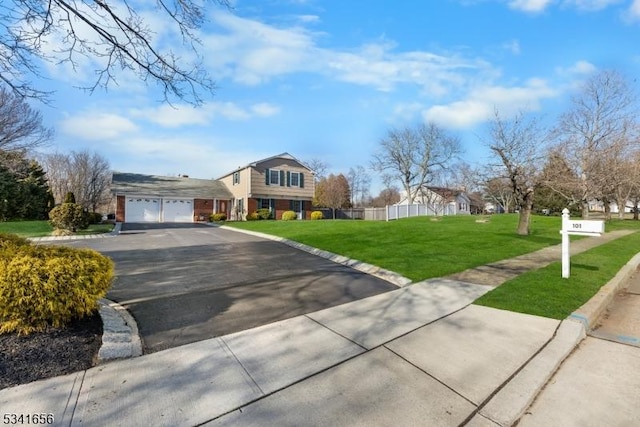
<point>326,79</point>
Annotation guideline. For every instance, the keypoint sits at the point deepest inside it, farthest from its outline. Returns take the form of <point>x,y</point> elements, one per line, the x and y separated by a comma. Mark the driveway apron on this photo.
<point>189,282</point>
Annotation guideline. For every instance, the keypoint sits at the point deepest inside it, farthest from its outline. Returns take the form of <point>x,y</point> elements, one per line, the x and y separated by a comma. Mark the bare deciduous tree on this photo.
<point>112,32</point>
<point>601,118</point>
<point>498,192</point>
<point>359,183</point>
<point>413,154</point>
<point>87,175</point>
<point>21,126</point>
<point>519,146</point>
<point>319,168</point>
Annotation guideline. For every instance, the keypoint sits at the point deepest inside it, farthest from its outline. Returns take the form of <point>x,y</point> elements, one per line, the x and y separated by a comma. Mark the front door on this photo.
<point>296,206</point>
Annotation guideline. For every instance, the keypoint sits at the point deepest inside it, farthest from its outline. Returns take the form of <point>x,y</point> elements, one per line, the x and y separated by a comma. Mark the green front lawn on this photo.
<point>26,228</point>
<point>544,292</point>
<point>42,228</point>
<point>419,248</point>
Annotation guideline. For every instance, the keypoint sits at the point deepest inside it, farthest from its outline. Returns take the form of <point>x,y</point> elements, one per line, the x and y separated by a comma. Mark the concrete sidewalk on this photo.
<point>420,355</point>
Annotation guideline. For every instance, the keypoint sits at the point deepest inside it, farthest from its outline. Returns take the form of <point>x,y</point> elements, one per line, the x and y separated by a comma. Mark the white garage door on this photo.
<point>141,209</point>
<point>177,210</point>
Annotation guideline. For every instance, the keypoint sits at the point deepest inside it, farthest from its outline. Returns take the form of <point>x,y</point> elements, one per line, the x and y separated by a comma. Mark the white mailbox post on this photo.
<point>581,228</point>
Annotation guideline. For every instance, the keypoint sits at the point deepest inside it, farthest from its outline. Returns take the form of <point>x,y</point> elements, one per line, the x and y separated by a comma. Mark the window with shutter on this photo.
<point>274,177</point>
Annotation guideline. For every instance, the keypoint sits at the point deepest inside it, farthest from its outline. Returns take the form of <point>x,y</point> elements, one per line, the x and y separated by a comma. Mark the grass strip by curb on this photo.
<point>43,228</point>
<point>544,292</point>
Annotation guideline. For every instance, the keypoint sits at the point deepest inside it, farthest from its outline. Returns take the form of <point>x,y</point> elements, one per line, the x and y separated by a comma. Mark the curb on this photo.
<point>120,336</point>
<point>591,311</point>
<point>381,273</point>
<point>510,403</point>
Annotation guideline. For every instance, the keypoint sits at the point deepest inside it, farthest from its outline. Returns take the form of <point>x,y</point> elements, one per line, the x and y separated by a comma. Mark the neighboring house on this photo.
<point>151,198</point>
<point>279,183</point>
<point>598,206</point>
<point>441,201</point>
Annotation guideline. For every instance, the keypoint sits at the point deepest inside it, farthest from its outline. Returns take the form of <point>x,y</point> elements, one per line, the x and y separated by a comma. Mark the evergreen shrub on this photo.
<point>289,216</point>
<point>44,286</point>
<point>216,217</point>
<point>264,213</point>
<point>68,216</point>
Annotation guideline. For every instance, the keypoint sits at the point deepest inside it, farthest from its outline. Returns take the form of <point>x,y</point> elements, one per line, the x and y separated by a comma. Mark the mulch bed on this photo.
<point>53,352</point>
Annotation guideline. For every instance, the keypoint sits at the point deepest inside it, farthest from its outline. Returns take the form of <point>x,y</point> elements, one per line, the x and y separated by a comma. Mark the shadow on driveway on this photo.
<point>192,282</point>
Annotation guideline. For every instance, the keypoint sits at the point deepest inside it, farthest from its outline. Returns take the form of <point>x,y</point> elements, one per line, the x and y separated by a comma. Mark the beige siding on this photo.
<point>241,189</point>
<point>259,188</point>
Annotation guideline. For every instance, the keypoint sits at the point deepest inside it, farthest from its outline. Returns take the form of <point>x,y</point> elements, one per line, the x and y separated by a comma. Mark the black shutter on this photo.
<point>288,179</point>
<point>282,178</point>
<point>266,174</point>
<point>301,180</point>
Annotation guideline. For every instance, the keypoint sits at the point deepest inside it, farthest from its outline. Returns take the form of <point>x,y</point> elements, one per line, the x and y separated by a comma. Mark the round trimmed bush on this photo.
<point>68,216</point>
<point>289,216</point>
<point>264,213</point>
<point>252,216</point>
<point>44,286</point>
<point>316,215</point>
<point>216,217</point>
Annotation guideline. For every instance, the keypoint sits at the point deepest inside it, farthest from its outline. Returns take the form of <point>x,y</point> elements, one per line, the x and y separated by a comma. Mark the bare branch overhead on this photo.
<point>112,33</point>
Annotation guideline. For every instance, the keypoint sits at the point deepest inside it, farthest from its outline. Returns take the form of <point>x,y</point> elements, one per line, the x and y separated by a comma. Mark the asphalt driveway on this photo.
<point>189,282</point>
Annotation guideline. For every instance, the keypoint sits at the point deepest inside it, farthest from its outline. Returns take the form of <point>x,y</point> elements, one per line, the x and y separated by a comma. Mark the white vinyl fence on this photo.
<point>407,211</point>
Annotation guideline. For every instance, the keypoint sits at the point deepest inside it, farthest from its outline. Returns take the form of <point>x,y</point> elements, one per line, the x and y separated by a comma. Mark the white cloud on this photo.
<point>512,46</point>
<point>186,115</point>
<point>191,155</point>
<point>536,6</point>
<point>309,18</point>
<point>633,14</point>
<point>590,5</point>
<point>252,53</point>
<point>579,68</point>
<point>97,126</point>
<point>265,109</point>
<point>532,6</point>
<point>481,103</point>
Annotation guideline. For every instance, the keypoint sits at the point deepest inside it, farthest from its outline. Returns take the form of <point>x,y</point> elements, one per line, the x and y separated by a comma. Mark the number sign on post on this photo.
<point>580,228</point>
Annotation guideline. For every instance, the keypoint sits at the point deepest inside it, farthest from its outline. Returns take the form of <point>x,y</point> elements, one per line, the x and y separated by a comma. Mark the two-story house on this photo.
<point>279,183</point>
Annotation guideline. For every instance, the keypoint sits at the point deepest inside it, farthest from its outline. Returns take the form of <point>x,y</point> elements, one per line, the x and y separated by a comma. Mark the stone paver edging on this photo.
<point>114,232</point>
<point>120,336</point>
<point>381,273</point>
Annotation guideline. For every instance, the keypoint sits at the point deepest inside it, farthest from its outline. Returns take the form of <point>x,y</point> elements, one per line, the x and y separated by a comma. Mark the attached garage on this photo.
<point>152,198</point>
<point>142,209</point>
<point>177,210</point>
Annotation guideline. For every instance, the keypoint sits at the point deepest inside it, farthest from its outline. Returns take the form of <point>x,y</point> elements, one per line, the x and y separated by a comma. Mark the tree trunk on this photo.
<point>523,221</point>
<point>622,205</point>
<point>525,214</point>
<point>585,210</point>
